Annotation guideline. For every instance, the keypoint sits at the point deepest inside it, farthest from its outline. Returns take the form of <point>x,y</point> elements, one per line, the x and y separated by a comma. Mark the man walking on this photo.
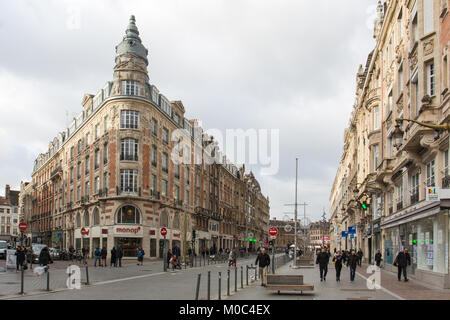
<point>378,258</point>
<point>264,261</point>
<point>360,256</point>
<point>352,263</point>
<point>119,255</point>
<point>401,262</point>
<point>322,260</point>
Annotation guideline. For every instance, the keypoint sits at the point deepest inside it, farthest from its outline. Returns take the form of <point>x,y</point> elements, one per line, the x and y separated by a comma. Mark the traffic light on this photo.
<point>364,205</point>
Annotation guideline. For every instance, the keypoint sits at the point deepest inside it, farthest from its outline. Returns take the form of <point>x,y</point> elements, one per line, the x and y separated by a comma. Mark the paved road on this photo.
<point>328,290</point>
<point>131,282</point>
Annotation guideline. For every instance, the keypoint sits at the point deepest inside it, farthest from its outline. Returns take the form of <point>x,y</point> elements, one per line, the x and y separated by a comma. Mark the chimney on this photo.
<point>7,191</point>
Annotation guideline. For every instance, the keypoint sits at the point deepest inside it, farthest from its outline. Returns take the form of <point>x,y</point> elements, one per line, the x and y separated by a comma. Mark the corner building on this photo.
<point>109,180</point>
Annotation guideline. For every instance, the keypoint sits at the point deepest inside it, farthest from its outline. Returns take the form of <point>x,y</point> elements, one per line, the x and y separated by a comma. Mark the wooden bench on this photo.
<point>279,282</point>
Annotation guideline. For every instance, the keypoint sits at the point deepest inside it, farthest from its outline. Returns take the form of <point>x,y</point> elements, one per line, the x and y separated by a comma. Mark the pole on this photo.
<point>164,255</point>
<point>235,279</point>
<point>48,280</point>
<point>273,256</point>
<point>209,285</point>
<point>220,285</point>
<point>247,275</point>
<point>21,281</point>
<point>228,282</point>
<point>87,276</point>
<point>242,277</point>
<point>198,286</point>
<point>295,218</point>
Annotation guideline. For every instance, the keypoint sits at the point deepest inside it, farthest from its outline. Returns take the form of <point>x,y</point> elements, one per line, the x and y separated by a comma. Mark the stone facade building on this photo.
<point>110,178</point>
<point>393,166</point>
<point>9,215</point>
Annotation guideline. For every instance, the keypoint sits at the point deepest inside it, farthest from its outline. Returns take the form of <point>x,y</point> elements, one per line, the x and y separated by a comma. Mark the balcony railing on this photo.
<point>129,157</point>
<point>414,197</point>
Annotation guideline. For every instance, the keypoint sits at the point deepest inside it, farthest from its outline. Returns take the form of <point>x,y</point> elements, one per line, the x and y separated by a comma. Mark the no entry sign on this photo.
<point>23,226</point>
<point>84,232</point>
<point>273,231</point>
<point>163,231</point>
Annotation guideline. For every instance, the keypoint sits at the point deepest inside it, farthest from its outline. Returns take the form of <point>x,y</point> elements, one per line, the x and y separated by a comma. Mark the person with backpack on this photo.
<point>103,254</point>
<point>337,260</point>
<point>97,257</point>
<point>140,256</point>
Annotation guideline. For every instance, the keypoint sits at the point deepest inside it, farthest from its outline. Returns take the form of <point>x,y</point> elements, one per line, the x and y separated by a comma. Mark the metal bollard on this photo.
<point>235,279</point>
<point>242,277</point>
<point>209,285</point>
<point>21,281</point>
<point>198,286</point>
<point>87,276</point>
<point>247,274</point>
<point>48,280</point>
<point>220,285</point>
<point>228,282</point>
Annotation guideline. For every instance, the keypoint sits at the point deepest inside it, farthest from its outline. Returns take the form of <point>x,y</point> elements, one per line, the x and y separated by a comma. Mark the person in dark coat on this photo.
<point>360,256</point>
<point>337,259</point>
<point>344,256</point>
<point>20,253</point>
<point>352,262</point>
<point>113,257</point>
<point>378,258</point>
<point>119,255</point>
<point>264,261</point>
<point>44,257</point>
<point>323,258</point>
<point>401,262</point>
<point>104,253</point>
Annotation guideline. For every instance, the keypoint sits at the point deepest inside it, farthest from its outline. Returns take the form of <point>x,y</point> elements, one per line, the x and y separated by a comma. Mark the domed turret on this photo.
<point>131,43</point>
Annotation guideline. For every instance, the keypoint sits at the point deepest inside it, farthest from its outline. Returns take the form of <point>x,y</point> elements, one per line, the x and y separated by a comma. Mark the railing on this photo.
<point>129,157</point>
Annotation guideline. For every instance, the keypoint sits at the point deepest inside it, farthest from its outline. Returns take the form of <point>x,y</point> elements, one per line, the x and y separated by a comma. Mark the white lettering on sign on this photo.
<point>128,230</point>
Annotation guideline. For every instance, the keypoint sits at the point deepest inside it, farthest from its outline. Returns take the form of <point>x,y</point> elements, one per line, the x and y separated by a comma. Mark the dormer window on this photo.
<point>130,88</point>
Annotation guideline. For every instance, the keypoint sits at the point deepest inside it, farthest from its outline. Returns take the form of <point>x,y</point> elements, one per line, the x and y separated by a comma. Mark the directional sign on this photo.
<point>273,231</point>
<point>163,232</point>
<point>23,226</point>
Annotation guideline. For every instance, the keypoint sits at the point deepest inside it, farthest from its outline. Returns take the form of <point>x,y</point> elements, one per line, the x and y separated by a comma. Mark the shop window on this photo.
<point>128,215</point>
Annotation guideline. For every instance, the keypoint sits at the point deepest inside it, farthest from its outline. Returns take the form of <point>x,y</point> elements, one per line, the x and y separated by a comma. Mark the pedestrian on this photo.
<point>322,260</point>
<point>113,257</point>
<point>140,256</point>
<point>352,262</point>
<point>176,251</point>
<point>169,257</point>
<point>44,258</point>
<point>71,253</point>
<point>20,258</point>
<point>401,262</point>
<point>97,257</point>
<point>337,260</point>
<point>378,258</point>
<point>360,256</point>
<point>264,261</point>
<point>232,258</point>
<point>173,261</point>
<point>104,254</point>
<point>119,255</point>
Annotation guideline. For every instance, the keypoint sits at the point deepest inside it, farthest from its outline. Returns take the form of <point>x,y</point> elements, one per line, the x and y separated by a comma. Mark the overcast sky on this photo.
<point>287,65</point>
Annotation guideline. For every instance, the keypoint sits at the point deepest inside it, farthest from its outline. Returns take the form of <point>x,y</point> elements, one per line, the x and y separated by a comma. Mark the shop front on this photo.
<point>129,238</point>
<point>426,236</point>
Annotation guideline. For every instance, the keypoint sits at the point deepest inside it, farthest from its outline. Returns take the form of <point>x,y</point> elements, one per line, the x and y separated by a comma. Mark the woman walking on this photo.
<point>113,257</point>
<point>337,260</point>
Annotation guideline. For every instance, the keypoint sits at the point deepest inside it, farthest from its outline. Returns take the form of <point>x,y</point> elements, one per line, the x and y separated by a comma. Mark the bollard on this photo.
<point>242,277</point>
<point>87,276</point>
<point>228,282</point>
<point>21,281</point>
<point>247,274</point>
<point>220,285</point>
<point>209,285</point>
<point>235,279</point>
<point>48,280</point>
<point>198,286</point>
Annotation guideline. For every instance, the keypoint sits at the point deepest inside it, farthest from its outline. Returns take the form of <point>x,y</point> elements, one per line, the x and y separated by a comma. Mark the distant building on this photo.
<point>9,214</point>
<point>319,233</point>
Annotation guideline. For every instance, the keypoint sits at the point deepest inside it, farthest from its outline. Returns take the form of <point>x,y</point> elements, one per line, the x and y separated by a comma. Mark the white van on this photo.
<point>3,248</point>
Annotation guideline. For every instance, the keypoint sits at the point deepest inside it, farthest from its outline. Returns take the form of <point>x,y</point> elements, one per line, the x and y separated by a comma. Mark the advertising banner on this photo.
<point>11,258</point>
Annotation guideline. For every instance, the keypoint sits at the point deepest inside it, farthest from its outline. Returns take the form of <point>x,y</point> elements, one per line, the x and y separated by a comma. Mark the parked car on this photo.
<point>54,253</point>
<point>3,248</point>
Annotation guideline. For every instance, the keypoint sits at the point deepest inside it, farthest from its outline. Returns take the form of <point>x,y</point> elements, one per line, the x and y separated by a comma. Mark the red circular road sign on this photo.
<point>84,231</point>
<point>273,231</point>
<point>23,226</point>
<point>163,231</point>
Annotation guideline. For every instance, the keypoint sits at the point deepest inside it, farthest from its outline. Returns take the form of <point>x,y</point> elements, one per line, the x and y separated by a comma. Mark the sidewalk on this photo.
<point>411,290</point>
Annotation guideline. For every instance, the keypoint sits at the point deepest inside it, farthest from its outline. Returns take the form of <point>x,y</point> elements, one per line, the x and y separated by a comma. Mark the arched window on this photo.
<point>78,222</point>
<point>86,219</point>
<point>164,219</point>
<point>96,217</point>
<point>176,221</point>
<point>128,215</point>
